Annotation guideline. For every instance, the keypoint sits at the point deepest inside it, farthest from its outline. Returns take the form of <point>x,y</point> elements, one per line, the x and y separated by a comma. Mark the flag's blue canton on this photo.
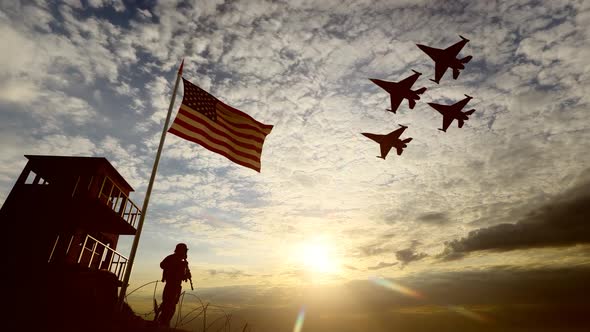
<point>199,100</point>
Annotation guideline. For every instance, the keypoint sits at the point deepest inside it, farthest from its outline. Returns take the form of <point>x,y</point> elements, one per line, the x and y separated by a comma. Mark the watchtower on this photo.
<point>69,210</point>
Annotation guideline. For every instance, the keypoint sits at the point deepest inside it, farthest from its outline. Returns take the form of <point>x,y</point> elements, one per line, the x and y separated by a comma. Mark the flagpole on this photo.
<point>148,193</point>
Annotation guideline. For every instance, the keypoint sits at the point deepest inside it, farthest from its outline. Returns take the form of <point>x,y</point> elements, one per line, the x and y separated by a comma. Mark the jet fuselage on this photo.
<point>453,112</point>
<point>386,142</point>
<point>396,88</point>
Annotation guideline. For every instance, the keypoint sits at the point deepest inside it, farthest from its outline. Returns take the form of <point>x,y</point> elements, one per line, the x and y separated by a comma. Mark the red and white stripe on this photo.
<point>235,135</point>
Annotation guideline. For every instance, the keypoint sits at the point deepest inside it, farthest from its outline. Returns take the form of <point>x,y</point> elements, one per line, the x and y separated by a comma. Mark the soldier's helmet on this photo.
<point>181,247</point>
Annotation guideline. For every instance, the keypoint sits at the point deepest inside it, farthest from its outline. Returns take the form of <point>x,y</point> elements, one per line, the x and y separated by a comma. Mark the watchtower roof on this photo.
<point>57,166</point>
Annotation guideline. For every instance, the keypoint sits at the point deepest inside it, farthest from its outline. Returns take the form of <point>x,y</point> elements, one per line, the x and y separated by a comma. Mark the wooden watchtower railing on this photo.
<point>118,201</point>
<point>96,254</point>
<point>111,195</point>
<point>93,254</point>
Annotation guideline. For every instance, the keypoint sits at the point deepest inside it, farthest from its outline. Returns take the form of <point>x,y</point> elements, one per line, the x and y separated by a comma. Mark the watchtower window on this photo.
<point>30,178</point>
<point>33,178</point>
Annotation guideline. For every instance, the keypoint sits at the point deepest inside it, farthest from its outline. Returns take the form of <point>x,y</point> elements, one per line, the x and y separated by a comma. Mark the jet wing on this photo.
<point>461,104</point>
<point>447,120</point>
<point>453,50</point>
<point>374,137</point>
<point>439,71</point>
<point>395,101</point>
<point>409,81</point>
<point>385,150</point>
<point>396,133</point>
<point>379,139</point>
<point>442,109</point>
<point>433,53</point>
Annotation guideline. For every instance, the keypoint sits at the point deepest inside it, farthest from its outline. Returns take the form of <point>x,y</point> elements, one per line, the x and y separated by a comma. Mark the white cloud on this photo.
<point>144,12</point>
<point>118,5</point>
<point>74,3</point>
<point>17,92</point>
<point>18,53</point>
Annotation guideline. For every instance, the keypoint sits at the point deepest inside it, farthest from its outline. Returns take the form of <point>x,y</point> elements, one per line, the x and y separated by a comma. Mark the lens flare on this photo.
<point>396,287</point>
<point>412,293</point>
<point>299,320</point>
<point>468,313</point>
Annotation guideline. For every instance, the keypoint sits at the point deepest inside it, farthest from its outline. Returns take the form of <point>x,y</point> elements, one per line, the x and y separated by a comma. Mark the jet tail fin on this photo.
<point>466,59</point>
<point>456,73</point>
<point>469,112</point>
<point>420,91</point>
<point>407,140</point>
<point>412,103</point>
<point>399,151</point>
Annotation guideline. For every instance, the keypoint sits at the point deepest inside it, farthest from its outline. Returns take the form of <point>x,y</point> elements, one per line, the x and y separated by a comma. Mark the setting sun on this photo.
<point>318,257</point>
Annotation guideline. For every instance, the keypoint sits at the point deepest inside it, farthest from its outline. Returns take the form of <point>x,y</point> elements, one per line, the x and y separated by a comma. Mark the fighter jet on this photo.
<point>453,112</point>
<point>446,58</point>
<point>390,140</point>
<point>400,90</point>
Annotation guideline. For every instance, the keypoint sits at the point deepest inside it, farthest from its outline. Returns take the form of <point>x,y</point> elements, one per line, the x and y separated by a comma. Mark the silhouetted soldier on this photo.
<point>176,270</point>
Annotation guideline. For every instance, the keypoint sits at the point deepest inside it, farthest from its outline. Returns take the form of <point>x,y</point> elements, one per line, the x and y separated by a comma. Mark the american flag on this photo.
<point>220,128</point>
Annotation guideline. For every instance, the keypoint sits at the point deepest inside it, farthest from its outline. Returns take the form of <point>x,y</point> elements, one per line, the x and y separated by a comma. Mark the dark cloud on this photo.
<point>437,218</point>
<point>409,255</point>
<point>372,250</point>
<point>388,235</point>
<point>560,222</point>
<point>510,298</point>
<point>507,284</point>
<point>382,265</point>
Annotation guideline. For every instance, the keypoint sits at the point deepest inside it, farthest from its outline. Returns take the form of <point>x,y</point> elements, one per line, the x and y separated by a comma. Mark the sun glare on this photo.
<point>318,257</point>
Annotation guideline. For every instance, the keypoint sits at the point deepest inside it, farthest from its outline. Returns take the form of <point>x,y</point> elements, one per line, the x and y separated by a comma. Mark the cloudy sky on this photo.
<point>483,228</point>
